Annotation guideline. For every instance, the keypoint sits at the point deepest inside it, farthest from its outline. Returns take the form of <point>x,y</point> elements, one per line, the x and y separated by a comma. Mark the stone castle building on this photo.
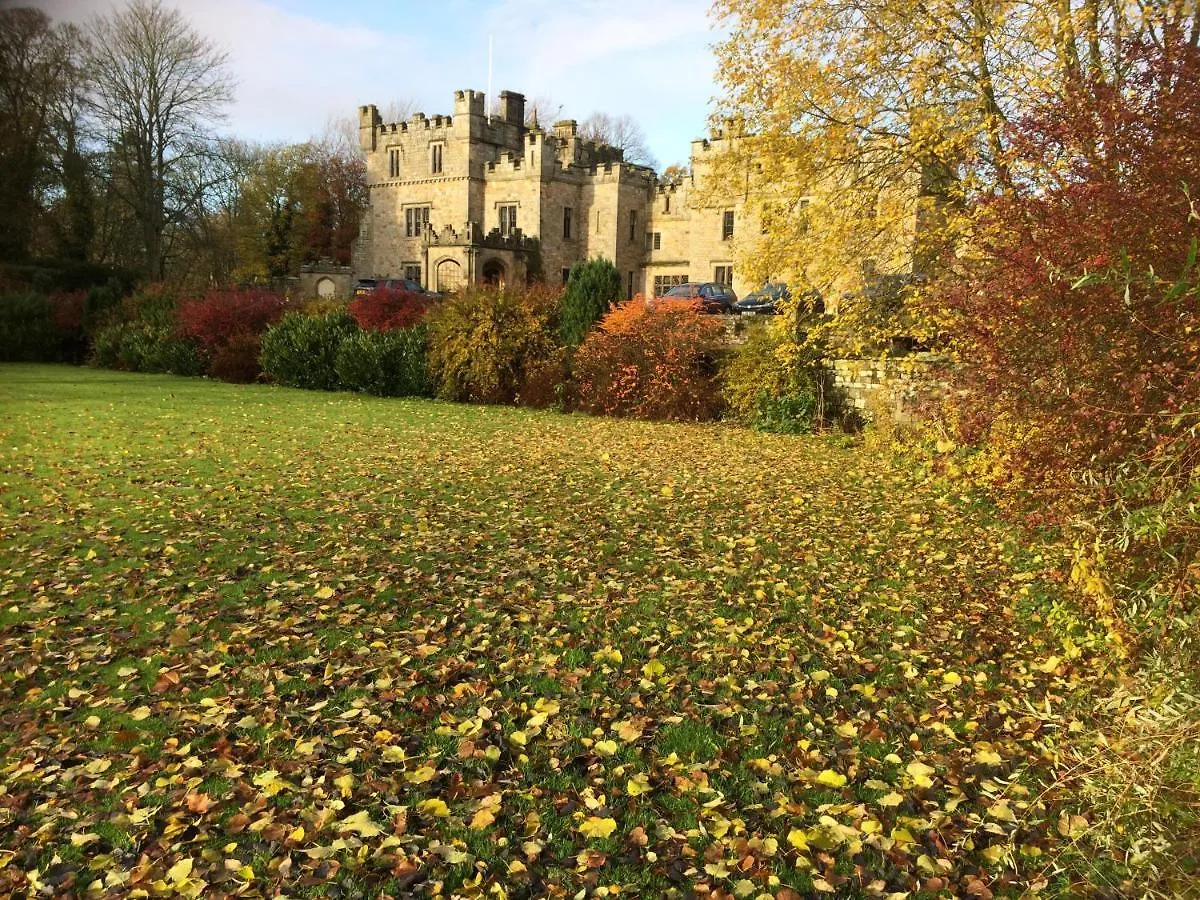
<point>470,198</point>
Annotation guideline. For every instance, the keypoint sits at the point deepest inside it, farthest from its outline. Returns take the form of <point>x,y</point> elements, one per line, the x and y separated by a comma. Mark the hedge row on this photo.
<point>530,346</point>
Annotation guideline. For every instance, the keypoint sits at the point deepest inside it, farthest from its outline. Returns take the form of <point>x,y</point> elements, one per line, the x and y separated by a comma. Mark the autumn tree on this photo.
<point>876,122</point>
<point>38,75</point>
<point>158,87</point>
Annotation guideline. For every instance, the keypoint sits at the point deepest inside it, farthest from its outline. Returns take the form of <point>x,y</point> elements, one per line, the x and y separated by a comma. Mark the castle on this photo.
<point>474,198</point>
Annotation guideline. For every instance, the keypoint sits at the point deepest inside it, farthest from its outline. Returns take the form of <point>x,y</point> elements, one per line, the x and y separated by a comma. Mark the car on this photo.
<point>370,285</point>
<point>766,301</point>
<point>713,297</point>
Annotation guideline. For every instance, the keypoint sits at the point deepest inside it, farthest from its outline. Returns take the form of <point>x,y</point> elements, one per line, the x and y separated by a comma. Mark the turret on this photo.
<point>368,121</point>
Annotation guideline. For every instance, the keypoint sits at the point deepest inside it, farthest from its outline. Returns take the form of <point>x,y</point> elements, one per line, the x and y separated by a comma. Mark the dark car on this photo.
<point>766,301</point>
<point>369,285</point>
<point>713,297</point>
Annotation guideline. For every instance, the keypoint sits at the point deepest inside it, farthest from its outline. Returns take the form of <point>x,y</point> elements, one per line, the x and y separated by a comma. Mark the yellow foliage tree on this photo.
<point>869,125</point>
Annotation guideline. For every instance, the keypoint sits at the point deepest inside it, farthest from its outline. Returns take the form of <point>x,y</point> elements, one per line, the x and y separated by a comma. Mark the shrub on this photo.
<point>651,363</point>
<point>593,286</point>
<point>221,316</point>
<point>388,310</point>
<point>143,346</point>
<point>237,359</point>
<point>482,340</point>
<point>27,329</point>
<point>546,382</point>
<point>140,334</point>
<point>301,351</point>
<point>384,363</point>
<point>773,383</point>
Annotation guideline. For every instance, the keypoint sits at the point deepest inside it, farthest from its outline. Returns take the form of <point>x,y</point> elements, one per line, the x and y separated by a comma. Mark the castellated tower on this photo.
<point>470,198</point>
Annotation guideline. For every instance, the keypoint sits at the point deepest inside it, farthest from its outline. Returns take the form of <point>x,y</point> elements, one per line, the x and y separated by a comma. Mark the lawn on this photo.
<point>257,640</point>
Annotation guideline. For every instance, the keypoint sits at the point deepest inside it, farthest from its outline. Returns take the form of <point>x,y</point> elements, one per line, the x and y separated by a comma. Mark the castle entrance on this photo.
<point>493,273</point>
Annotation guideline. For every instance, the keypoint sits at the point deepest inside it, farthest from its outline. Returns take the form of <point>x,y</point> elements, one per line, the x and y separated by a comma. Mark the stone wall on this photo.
<point>899,384</point>
<point>327,281</point>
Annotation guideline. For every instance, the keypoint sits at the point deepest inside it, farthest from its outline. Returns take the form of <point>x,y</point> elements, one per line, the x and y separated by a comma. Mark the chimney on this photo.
<point>512,107</point>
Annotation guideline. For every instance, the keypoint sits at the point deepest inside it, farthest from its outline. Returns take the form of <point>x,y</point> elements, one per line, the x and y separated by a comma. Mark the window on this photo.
<point>727,225</point>
<point>663,283</point>
<point>597,221</point>
<point>629,289</point>
<point>566,274</point>
<point>724,275</point>
<point>394,162</point>
<point>667,203</point>
<point>415,220</point>
<point>435,159</point>
<point>657,241</point>
<point>633,226</point>
<point>412,272</point>
<point>508,219</point>
<point>568,213</point>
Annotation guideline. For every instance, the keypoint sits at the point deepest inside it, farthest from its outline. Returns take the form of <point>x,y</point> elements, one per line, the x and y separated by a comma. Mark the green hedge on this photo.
<point>301,351</point>
<point>384,363</point>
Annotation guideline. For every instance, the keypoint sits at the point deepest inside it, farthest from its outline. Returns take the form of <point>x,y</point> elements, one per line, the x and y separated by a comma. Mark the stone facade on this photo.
<point>470,198</point>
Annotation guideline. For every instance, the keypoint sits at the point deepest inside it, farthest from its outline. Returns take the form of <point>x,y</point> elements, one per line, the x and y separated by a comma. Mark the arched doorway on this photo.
<point>449,276</point>
<point>493,273</point>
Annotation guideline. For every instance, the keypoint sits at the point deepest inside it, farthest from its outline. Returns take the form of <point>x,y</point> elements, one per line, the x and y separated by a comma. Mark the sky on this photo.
<point>299,63</point>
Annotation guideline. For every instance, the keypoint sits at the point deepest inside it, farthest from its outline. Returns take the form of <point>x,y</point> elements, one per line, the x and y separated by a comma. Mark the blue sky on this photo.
<point>300,62</point>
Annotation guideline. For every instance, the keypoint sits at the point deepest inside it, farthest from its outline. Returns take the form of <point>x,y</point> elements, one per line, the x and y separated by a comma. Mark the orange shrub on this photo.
<point>651,362</point>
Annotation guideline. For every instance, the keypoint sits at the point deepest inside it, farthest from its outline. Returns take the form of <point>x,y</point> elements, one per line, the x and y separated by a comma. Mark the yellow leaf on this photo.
<point>180,871</point>
<point>798,839</point>
<point>434,807</point>
<point>421,776</point>
<point>639,784</point>
<point>91,554</point>
<point>596,827</point>
<point>519,738</point>
<point>483,818</point>
<point>832,779</point>
<point>140,714</point>
<point>653,669</point>
<point>324,593</point>
<point>1049,665</point>
<point>360,823</point>
<point>952,678</point>
<point>892,799</point>
<point>1001,811</point>
<point>606,748</point>
<point>988,757</point>
<point>344,784</point>
<point>627,731</point>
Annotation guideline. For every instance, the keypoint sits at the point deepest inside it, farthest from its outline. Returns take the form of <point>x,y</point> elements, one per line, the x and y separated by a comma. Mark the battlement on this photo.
<point>508,162</point>
<point>469,103</point>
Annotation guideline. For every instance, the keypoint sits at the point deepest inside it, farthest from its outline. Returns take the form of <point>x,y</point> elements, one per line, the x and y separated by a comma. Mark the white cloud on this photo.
<point>650,60</point>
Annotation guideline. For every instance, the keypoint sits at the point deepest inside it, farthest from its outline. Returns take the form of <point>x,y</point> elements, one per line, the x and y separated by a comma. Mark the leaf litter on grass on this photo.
<point>259,641</point>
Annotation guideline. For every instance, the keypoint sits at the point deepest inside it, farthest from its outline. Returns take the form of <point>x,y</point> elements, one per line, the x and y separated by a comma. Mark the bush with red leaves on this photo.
<point>1079,326</point>
<point>386,309</point>
<point>220,316</point>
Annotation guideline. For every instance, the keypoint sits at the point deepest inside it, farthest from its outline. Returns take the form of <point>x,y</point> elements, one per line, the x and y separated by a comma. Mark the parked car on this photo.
<point>713,297</point>
<point>766,301</point>
<point>368,285</point>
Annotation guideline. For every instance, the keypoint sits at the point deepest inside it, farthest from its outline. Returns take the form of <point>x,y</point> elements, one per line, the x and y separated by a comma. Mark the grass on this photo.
<point>298,616</point>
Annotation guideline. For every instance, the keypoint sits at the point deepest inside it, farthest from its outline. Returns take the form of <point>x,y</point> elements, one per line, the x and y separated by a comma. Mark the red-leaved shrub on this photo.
<point>1077,326</point>
<point>386,309</point>
<point>237,359</point>
<point>651,362</point>
<point>220,316</point>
